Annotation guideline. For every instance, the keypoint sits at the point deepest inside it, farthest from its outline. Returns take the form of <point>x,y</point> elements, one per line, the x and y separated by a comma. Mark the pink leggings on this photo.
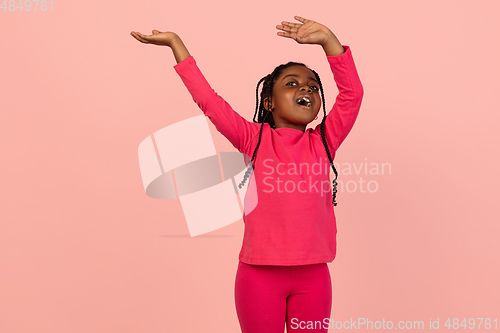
<point>267,297</point>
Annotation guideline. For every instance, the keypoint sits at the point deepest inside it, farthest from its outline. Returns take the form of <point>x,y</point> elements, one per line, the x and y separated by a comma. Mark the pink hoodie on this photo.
<point>294,221</point>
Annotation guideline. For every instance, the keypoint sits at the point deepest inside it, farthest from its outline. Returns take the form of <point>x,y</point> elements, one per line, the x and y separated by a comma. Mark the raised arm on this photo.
<point>167,38</point>
<point>341,118</point>
<point>228,122</point>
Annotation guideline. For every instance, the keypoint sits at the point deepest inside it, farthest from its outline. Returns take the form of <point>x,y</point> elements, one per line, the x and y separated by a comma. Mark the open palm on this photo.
<point>307,32</point>
<point>157,37</point>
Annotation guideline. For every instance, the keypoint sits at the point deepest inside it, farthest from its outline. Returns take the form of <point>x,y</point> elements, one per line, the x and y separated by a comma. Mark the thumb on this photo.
<point>155,31</point>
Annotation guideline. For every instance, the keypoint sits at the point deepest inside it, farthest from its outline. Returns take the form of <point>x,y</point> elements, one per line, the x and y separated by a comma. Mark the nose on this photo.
<point>308,88</point>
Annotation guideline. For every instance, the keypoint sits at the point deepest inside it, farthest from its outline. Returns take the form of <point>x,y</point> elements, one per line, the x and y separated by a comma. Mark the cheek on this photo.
<point>287,99</point>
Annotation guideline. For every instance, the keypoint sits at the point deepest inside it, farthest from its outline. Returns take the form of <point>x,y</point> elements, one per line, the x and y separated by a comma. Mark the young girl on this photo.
<point>290,235</point>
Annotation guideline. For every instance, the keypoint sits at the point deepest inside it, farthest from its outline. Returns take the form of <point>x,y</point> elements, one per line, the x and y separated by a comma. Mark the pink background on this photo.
<point>83,249</point>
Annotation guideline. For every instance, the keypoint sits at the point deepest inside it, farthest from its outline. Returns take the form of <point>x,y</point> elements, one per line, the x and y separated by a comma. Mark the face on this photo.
<point>293,83</point>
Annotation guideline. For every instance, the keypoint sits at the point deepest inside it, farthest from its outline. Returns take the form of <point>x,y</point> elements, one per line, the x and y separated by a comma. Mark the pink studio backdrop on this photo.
<point>84,249</point>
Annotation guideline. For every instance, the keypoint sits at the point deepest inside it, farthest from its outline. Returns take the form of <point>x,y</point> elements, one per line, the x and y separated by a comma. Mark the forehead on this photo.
<point>301,71</point>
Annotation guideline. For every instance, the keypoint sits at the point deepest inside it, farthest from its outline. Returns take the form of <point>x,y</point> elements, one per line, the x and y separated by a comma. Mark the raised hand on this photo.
<point>157,38</point>
<point>168,38</point>
<point>307,32</point>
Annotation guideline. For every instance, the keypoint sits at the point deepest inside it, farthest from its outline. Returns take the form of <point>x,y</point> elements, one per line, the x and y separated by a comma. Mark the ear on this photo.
<point>266,101</point>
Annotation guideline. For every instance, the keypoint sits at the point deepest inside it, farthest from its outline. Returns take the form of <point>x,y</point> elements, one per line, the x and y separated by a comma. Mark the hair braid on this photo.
<point>260,116</point>
<point>334,192</point>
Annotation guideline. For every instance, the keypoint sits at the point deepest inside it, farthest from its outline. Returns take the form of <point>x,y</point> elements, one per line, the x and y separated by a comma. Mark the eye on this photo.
<point>312,87</point>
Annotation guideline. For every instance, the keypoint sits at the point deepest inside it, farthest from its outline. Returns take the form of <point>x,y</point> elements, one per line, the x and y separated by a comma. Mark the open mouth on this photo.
<point>304,102</point>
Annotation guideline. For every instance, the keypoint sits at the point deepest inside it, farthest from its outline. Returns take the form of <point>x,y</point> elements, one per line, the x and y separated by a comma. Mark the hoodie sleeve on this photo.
<point>340,120</point>
<point>228,122</point>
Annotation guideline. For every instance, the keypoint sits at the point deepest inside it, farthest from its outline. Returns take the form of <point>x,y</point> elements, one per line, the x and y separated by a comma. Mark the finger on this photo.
<point>143,36</point>
<point>134,34</point>
<point>140,37</point>
<point>291,24</point>
<point>301,19</point>
<point>284,28</point>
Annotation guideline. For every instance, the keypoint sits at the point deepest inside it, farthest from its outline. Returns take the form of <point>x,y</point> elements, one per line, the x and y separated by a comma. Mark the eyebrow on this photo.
<point>310,78</point>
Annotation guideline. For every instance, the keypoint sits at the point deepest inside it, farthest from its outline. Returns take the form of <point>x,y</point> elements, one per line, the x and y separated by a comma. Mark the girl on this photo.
<point>290,235</point>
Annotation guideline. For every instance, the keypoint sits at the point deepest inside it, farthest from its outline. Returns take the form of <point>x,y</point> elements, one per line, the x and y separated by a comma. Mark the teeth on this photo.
<point>306,99</point>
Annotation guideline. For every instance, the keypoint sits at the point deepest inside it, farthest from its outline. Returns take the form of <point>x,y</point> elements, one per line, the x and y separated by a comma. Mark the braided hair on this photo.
<point>265,116</point>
